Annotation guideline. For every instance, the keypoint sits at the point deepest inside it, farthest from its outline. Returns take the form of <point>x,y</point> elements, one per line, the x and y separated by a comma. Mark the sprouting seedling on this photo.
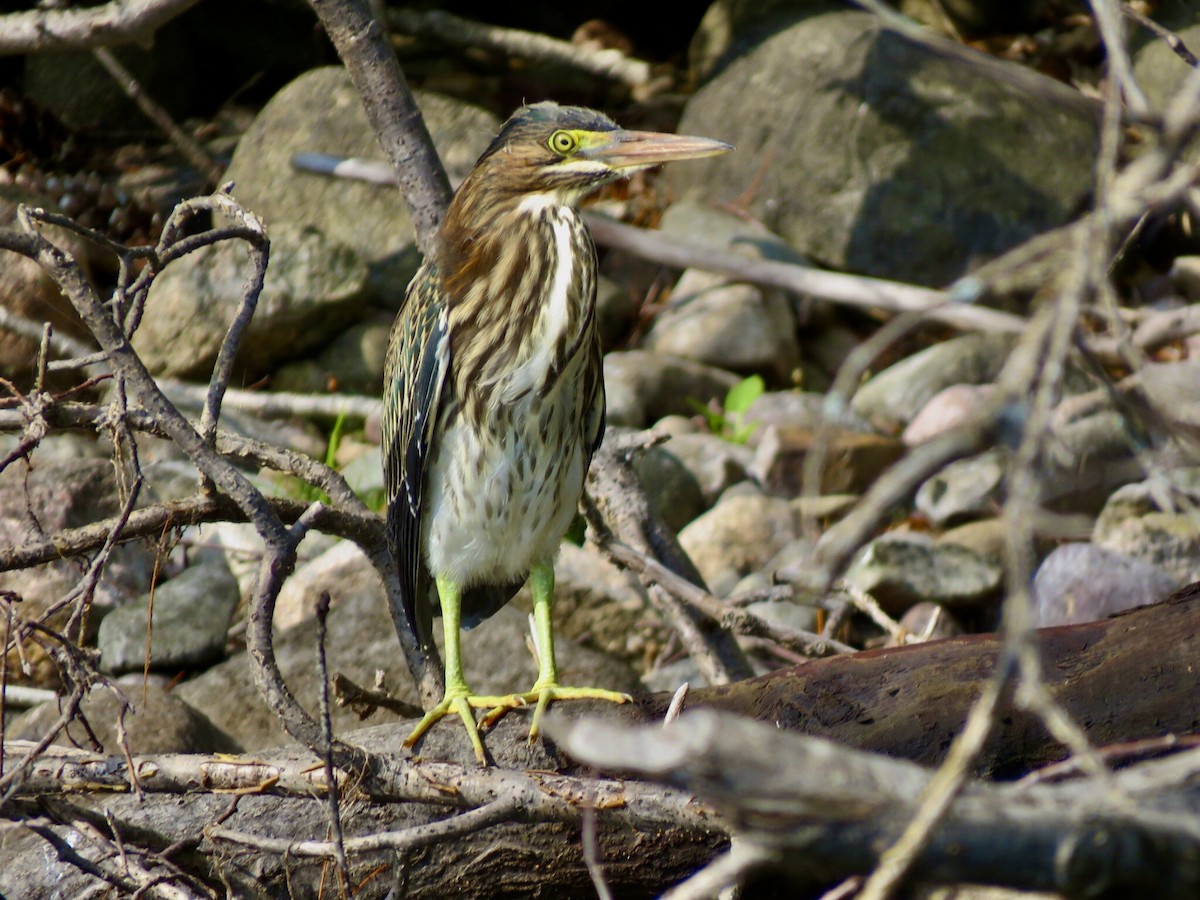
<point>729,422</point>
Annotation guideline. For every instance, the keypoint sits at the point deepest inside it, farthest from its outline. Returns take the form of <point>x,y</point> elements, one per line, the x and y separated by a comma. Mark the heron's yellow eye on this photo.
<point>563,142</point>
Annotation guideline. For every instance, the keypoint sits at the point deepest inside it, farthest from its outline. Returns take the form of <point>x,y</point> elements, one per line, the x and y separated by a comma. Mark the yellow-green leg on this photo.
<point>547,689</point>
<point>458,698</point>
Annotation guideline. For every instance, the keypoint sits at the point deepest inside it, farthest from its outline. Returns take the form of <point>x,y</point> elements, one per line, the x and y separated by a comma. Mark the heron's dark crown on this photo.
<point>533,125</point>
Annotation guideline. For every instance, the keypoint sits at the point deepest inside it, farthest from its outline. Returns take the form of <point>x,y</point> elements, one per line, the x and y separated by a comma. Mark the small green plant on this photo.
<point>307,492</point>
<point>730,422</point>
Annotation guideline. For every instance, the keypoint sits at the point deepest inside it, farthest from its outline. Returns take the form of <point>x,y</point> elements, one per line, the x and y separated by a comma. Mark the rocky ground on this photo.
<point>857,151</point>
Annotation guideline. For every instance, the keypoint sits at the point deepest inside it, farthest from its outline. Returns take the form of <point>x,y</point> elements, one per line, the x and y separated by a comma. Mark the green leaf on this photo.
<point>742,394</point>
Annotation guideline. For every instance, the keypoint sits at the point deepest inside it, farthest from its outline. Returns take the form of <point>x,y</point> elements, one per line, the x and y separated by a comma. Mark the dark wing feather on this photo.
<point>418,361</point>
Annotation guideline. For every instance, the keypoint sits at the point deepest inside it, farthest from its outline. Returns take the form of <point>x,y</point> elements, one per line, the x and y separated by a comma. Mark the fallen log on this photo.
<point>1126,678</point>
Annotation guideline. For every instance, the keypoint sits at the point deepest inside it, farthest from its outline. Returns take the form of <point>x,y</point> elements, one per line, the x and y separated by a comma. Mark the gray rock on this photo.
<point>353,362</point>
<point>340,570</point>
<point>735,326</point>
<point>668,677</point>
<point>900,570</point>
<point>642,387</point>
<point>320,112</point>
<point>931,622</point>
<point>314,285</point>
<point>1156,521</point>
<point>896,395</point>
<point>671,488</point>
<point>1157,68</point>
<point>966,489</point>
<point>914,161</point>
<point>1185,276</point>
<point>825,508</point>
<point>156,722</point>
<point>1090,458</point>
<point>1174,388</point>
<point>66,491</point>
<point>600,606</point>
<point>852,459</point>
<point>710,226</point>
<point>361,642</point>
<point>986,537</point>
<point>784,612</point>
<point>168,479</point>
<point>365,472</point>
<point>714,462</point>
<point>824,348</point>
<point>1085,582</point>
<point>192,612</point>
<point>737,536</point>
<point>28,291</point>
<point>795,409</point>
<point>616,309</point>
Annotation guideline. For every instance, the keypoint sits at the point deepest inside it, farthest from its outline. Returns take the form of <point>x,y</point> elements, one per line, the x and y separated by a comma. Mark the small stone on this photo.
<point>341,570</point>
<point>192,612</point>
<point>735,326</point>
<point>1156,521</point>
<point>895,395</point>
<point>1086,582</point>
<point>737,536</point>
<point>853,459</point>
<point>642,387</point>
<point>789,409</point>
<point>900,570</point>
<point>787,613</point>
<point>824,508</point>
<point>931,622</point>
<point>604,607</point>
<point>965,489</point>
<point>157,722</point>
<point>946,410</point>
<point>353,361</point>
<point>672,490</point>
<point>714,462</point>
<point>986,537</point>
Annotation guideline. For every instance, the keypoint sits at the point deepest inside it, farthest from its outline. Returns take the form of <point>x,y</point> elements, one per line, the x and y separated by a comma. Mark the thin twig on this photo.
<point>188,146</point>
<point>1170,38</point>
<point>332,793</point>
<point>497,811</point>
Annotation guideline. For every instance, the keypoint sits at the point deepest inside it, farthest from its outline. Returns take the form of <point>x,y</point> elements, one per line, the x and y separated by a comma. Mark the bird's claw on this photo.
<point>543,696</point>
<point>463,704</point>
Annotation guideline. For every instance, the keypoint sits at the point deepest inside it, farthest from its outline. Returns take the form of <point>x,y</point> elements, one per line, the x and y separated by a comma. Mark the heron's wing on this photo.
<point>418,361</point>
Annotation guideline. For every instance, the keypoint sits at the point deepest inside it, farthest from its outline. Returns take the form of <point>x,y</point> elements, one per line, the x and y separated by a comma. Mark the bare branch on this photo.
<point>116,22</point>
<point>460,32</point>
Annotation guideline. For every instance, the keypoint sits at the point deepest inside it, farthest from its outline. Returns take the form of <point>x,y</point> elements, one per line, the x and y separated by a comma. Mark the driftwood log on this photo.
<point>240,821</point>
<point>1130,677</point>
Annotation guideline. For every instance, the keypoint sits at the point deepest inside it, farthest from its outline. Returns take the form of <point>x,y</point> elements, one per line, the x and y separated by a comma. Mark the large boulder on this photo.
<point>874,153</point>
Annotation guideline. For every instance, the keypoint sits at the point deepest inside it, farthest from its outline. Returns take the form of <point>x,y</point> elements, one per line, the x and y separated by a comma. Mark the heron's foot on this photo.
<point>462,702</point>
<point>543,694</point>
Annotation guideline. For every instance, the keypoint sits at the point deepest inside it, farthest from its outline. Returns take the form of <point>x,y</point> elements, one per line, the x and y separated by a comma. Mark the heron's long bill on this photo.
<point>639,149</point>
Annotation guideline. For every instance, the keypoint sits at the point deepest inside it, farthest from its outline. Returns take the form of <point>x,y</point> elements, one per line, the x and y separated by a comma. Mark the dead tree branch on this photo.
<point>117,22</point>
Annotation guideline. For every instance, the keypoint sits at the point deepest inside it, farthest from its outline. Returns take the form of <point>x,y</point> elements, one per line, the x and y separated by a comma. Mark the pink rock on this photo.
<point>946,409</point>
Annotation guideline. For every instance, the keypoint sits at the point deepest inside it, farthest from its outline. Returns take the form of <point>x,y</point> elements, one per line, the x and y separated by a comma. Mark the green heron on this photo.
<point>494,395</point>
